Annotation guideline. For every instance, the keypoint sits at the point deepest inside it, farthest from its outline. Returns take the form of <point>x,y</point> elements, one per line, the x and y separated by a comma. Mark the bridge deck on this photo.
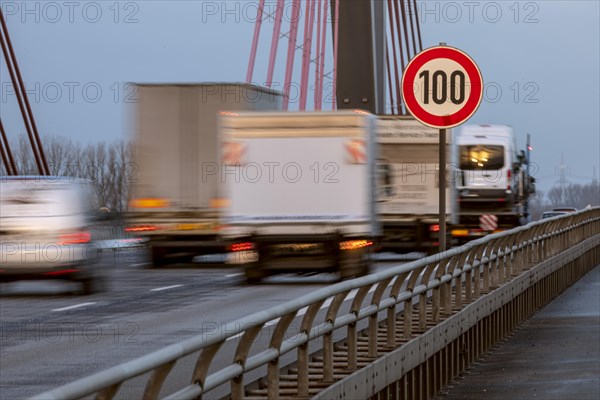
<point>554,355</point>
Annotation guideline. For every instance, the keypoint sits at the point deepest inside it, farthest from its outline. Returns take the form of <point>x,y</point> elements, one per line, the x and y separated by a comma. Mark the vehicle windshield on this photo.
<point>481,157</point>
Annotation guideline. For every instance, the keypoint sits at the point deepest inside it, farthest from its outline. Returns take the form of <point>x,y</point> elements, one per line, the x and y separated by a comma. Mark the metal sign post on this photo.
<point>442,178</point>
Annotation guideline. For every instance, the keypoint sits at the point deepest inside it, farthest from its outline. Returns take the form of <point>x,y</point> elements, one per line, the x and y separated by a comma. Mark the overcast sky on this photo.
<point>540,62</point>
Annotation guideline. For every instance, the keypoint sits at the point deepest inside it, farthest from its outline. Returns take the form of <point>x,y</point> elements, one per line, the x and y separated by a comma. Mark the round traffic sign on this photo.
<point>442,87</point>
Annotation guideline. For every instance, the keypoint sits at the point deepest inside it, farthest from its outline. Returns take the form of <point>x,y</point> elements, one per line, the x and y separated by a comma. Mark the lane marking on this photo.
<point>139,264</point>
<point>73,307</point>
<point>165,288</point>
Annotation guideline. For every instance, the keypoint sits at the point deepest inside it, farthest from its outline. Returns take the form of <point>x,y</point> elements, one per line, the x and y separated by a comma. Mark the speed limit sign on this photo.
<point>442,87</point>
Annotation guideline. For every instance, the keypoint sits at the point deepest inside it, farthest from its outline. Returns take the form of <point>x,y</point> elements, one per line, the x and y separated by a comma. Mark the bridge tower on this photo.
<point>358,51</point>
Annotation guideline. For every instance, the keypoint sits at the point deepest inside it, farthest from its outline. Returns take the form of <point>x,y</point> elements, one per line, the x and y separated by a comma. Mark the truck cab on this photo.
<point>487,165</point>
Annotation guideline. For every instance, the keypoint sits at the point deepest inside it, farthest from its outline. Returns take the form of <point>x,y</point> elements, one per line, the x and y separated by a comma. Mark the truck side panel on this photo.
<point>176,202</point>
<point>410,181</point>
<point>157,142</point>
<point>298,180</point>
<point>177,146</point>
<point>408,195</point>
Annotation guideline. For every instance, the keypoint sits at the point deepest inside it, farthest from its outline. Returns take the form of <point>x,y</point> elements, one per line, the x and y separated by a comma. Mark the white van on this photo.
<point>485,156</point>
<point>45,230</point>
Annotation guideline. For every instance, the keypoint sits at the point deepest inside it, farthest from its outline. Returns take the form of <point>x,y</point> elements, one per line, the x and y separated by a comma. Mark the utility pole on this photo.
<point>562,172</point>
<point>528,181</point>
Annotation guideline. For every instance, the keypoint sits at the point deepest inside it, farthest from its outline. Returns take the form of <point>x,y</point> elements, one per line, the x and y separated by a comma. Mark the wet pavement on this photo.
<point>554,355</point>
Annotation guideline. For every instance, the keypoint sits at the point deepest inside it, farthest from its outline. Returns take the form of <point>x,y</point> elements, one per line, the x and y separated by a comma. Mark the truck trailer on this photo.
<point>300,190</point>
<point>176,204</point>
<point>408,185</point>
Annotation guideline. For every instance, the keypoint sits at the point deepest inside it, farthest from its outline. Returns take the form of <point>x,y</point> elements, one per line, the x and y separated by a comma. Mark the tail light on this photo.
<point>354,244</point>
<point>434,228</point>
<point>74,238</point>
<point>244,246</point>
<point>61,272</point>
<point>508,179</point>
<point>140,228</point>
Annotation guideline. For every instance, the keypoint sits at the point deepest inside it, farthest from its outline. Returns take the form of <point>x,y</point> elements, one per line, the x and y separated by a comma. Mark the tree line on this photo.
<point>572,195</point>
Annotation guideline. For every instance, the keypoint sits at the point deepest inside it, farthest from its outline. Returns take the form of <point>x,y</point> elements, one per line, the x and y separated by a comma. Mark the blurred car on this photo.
<point>550,214</point>
<point>565,209</point>
<point>45,230</point>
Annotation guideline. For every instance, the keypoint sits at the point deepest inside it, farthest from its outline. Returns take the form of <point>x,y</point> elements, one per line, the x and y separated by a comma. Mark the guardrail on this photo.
<point>426,320</point>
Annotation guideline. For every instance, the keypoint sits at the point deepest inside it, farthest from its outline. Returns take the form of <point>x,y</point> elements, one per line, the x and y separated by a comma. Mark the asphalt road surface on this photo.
<point>50,335</point>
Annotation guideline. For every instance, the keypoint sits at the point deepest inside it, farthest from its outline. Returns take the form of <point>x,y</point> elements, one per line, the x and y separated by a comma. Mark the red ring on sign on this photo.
<point>470,106</point>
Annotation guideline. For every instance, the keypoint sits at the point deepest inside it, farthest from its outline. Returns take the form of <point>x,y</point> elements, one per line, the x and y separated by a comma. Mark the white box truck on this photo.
<point>408,185</point>
<point>300,189</point>
<point>492,183</point>
<point>175,187</point>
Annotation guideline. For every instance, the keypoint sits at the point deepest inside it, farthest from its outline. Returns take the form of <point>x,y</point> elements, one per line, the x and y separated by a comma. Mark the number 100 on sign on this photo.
<point>439,89</point>
<point>442,87</point>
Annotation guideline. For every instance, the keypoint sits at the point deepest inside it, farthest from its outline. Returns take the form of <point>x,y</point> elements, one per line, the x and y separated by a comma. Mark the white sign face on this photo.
<point>442,87</point>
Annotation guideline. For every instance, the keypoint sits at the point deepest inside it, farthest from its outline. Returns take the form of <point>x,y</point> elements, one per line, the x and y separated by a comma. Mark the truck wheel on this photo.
<point>253,280</point>
<point>254,274</point>
<point>355,265</point>
<point>159,257</point>
<point>87,287</point>
<point>92,285</point>
<point>255,271</point>
<point>90,280</point>
<point>432,250</point>
<point>366,268</point>
<point>187,259</point>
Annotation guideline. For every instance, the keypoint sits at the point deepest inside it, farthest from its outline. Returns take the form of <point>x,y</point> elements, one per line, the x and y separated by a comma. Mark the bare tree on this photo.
<point>537,204</point>
<point>23,155</point>
<point>556,196</point>
<point>574,195</point>
<point>590,195</point>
